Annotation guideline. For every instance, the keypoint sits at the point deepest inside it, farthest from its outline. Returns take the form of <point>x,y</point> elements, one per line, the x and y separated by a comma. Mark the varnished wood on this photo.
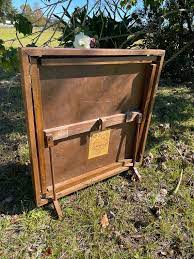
<point>76,92</point>
<point>41,52</point>
<point>135,144</point>
<point>29,113</point>
<point>147,98</point>
<point>66,131</point>
<point>36,90</point>
<point>58,209</point>
<point>136,174</point>
<point>87,179</point>
<point>156,78</point>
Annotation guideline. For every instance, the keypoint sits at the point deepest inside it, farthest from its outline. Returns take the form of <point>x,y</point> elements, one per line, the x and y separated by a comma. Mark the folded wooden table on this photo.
<point>88,113</point>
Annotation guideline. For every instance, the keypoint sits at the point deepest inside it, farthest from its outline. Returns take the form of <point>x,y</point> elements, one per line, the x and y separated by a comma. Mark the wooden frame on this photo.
<point>105,67</point>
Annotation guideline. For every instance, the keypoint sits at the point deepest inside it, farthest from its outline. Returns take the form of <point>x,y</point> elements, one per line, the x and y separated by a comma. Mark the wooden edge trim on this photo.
<point>29,114</point>
<point>39,52</point>
<point>36,90</point>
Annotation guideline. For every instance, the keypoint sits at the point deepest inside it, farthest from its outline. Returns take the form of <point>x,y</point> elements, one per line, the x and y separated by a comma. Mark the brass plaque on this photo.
<point>99,144</point>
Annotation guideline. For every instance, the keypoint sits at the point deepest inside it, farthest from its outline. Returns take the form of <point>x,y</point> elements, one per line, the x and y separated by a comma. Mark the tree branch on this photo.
<point>179,52</point>
<point>57,26</point>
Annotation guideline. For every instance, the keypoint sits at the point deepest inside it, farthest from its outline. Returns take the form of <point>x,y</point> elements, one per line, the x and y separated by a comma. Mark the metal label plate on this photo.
<point>99,144</point>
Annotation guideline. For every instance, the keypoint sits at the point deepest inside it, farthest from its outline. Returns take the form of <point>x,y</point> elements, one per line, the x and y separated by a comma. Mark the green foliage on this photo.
<point>7,11</point>
<point>106,29</point>
<point>22,24</point>
<point>2,48</point>
<point>8,59</point>
<point>168,25</point>
<point>39,19</point>
<point>173,31</point>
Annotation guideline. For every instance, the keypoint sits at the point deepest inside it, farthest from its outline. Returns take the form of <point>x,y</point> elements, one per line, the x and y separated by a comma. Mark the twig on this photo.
<point>57,26</point>
<point>23,10</point>
<point>18,38</point>
<point>86,14</point>
<point>114,37</point>
<point>94,6</point>
<point>179,183</point>
<point>43,13</point>
<point>49,16</point>
<point>102,28</point>
<point>48,5</point>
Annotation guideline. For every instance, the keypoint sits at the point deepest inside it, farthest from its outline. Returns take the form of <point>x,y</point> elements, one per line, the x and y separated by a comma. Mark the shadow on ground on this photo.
<point>16,193</point>
<point>11,110</point>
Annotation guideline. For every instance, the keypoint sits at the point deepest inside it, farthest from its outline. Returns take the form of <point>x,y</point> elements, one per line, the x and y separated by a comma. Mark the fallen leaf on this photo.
<point>104,221</point>
<point>48,251</point>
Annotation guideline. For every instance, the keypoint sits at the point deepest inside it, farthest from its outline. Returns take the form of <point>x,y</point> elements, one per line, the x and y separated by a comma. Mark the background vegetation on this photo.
<point>166,24</point>
<point>9,33</point>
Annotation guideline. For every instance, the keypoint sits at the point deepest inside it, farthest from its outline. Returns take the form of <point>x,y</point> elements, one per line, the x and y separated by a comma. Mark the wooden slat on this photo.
<point>29,113</point>
<point>39,52</point>
<point>86,126</point>
<point>87,179</point>
<point>97,61</point>
<point>36,90</point>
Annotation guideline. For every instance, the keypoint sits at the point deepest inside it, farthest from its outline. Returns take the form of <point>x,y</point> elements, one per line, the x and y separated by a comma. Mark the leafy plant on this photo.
<point>103,25</point>
<point>23,25</point>
<point>168,25</point>
<point>9,59</point>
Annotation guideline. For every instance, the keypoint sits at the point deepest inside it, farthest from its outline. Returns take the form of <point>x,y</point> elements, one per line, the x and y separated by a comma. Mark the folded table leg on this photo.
<point>134,169</point>
<point>55,201</point>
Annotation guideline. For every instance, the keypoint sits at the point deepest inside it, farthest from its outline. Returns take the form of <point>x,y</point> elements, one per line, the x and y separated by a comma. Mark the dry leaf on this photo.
<point>104,221</point>
<point>48,251</point>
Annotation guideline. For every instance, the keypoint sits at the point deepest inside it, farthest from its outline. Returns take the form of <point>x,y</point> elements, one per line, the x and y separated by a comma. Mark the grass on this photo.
<point>146,220</point>
<point>9,33</point>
